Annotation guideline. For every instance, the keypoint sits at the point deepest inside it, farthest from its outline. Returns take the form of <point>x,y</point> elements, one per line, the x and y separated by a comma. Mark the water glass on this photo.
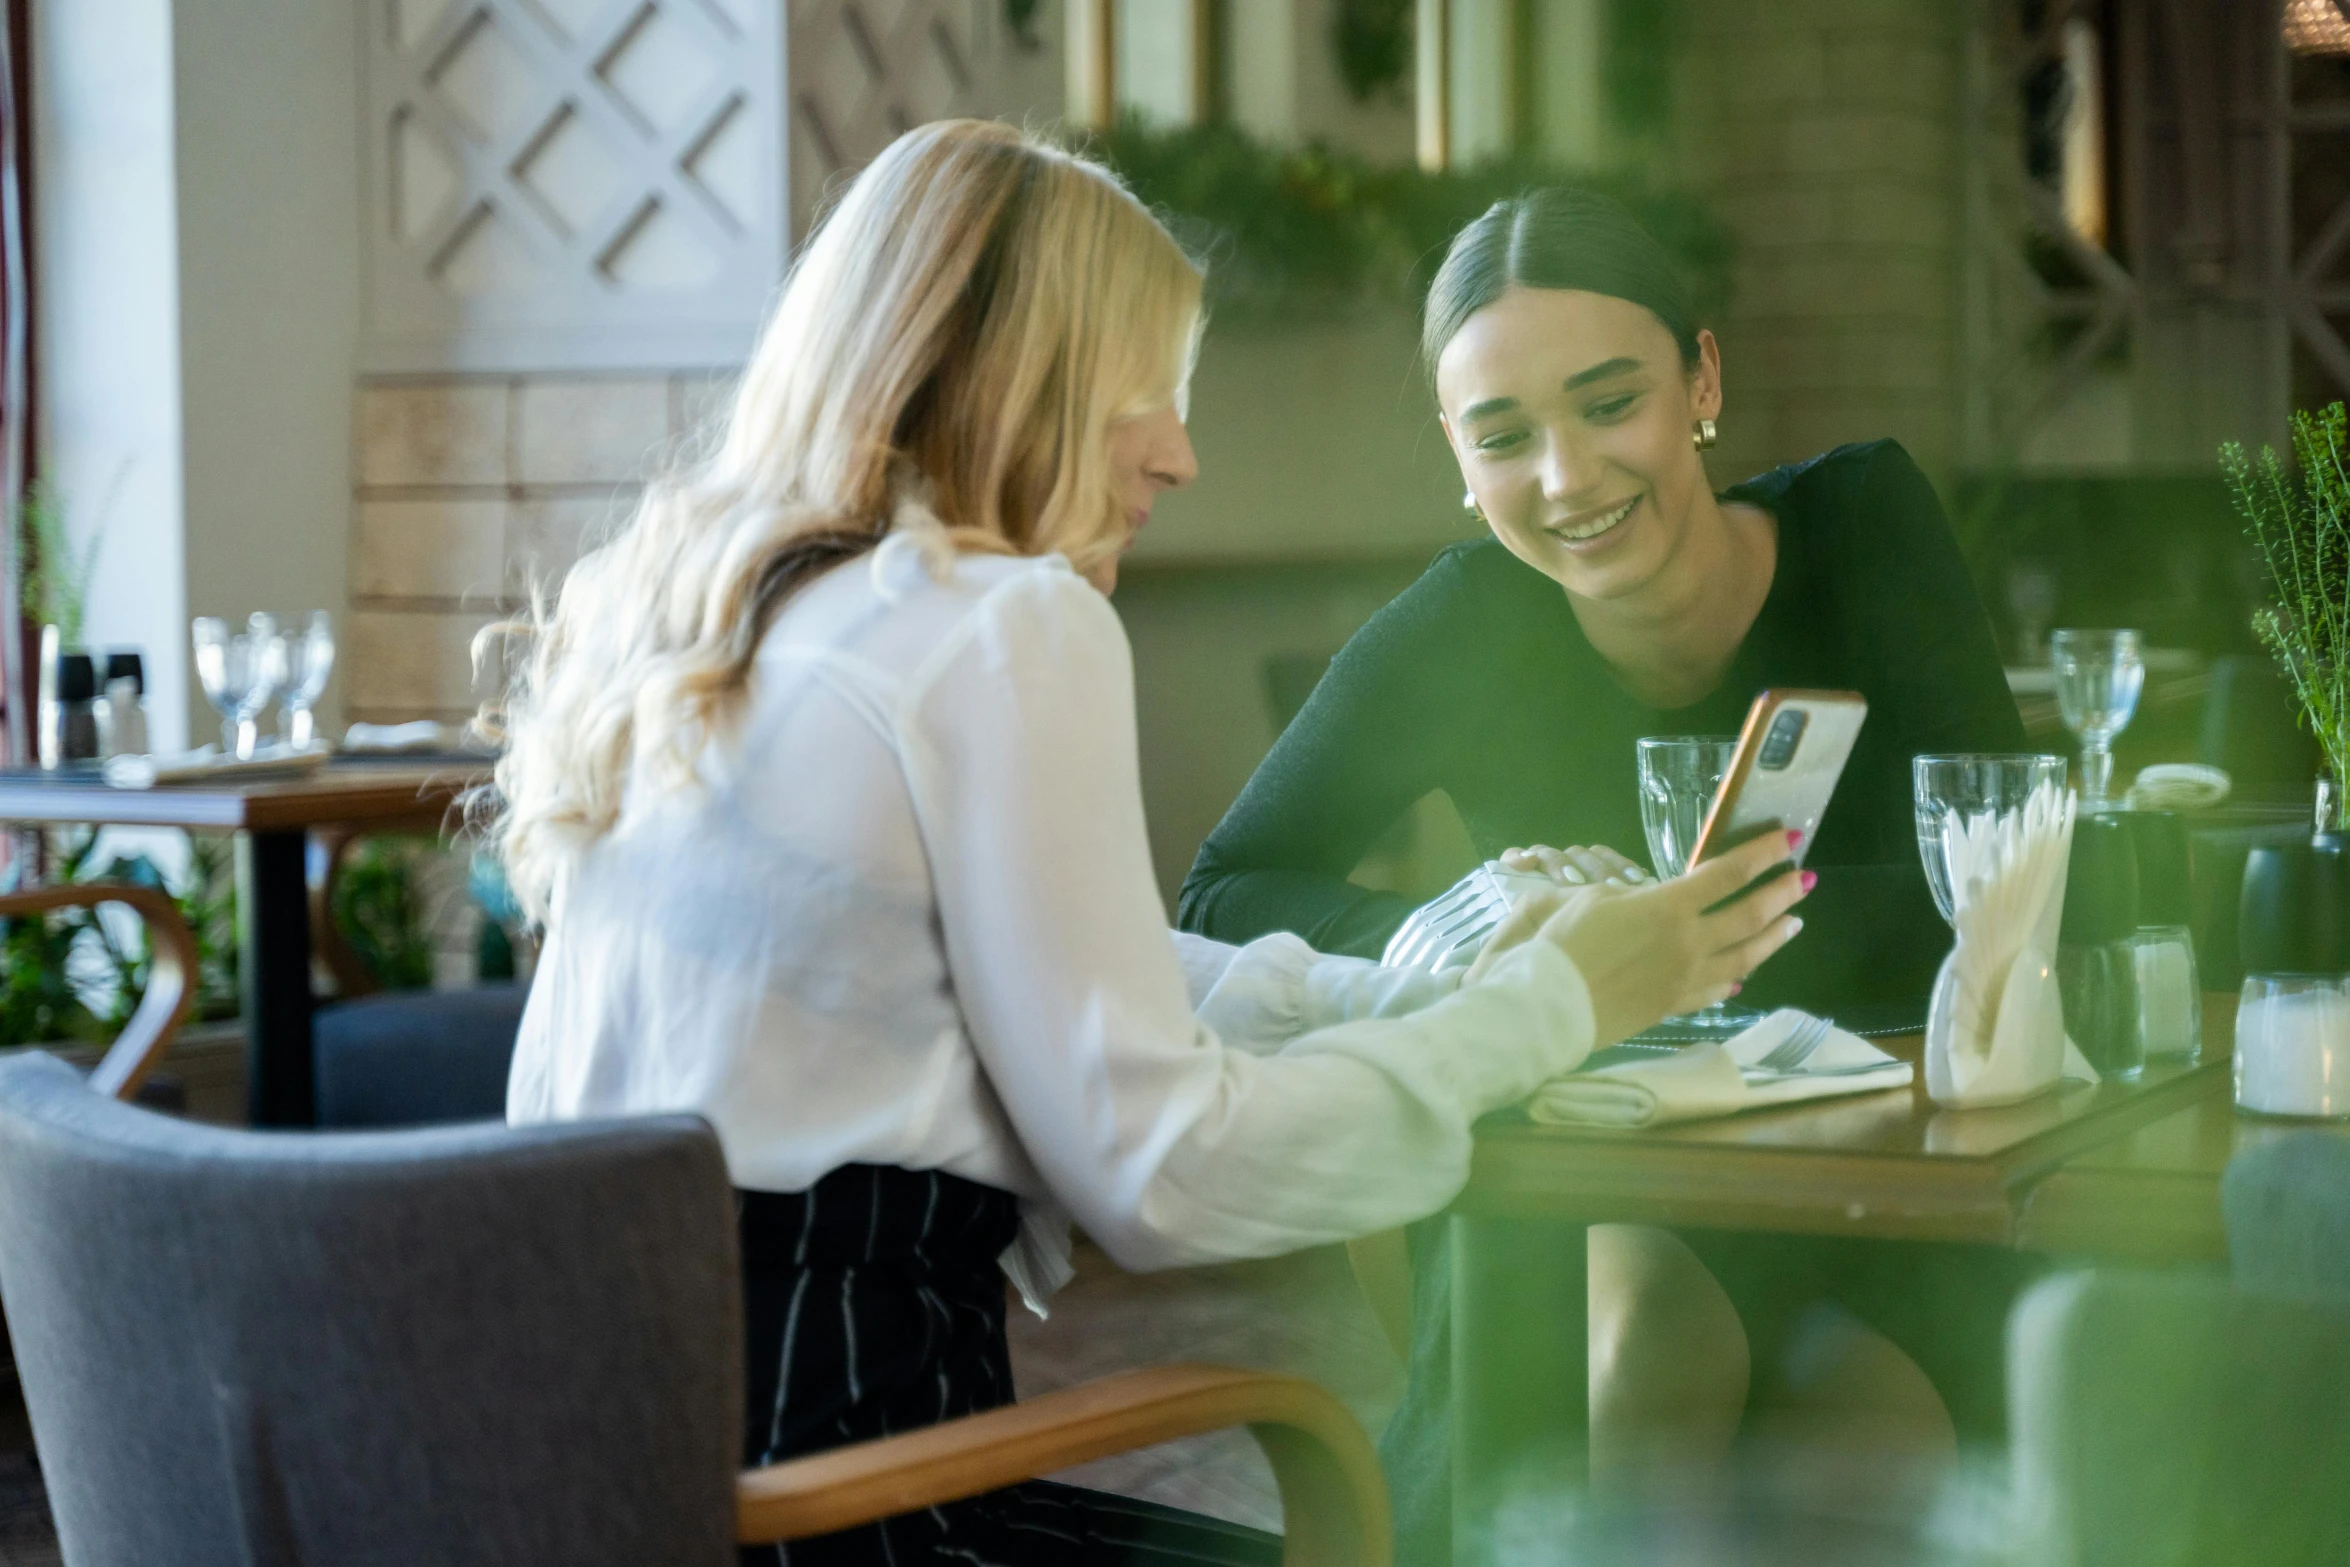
<point>239,675</point>
<point>1679,777</point>
<point>310,658</point>
<point>1967,786</point>
<point>2098,677</point>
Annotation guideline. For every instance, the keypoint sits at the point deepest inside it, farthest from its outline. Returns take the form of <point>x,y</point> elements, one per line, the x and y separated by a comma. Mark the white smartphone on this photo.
<point>1789,756</point>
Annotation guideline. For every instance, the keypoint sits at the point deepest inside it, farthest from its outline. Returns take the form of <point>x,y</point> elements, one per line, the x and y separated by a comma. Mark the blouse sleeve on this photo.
<point>1369,742</point>
<point>1167,1145</point>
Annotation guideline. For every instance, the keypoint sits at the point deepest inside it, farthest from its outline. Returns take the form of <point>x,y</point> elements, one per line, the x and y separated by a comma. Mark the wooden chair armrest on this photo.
<point>1333,1498</point>
<point>171,974</point>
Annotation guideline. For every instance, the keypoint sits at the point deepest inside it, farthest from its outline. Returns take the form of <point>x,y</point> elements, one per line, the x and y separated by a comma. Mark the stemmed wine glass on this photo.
<point>310,658</point>
<point>239,674</point>
<point>1679,777</point>
<point>2098,677</point>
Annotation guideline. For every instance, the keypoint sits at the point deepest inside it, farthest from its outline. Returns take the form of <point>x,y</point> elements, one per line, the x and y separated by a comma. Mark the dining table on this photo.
<point>273,819</point>
<point>2119,1170</point>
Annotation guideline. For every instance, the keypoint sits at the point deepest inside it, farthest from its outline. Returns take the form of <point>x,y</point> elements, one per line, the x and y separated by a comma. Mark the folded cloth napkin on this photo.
<point>1717,1078</point>
<point>209,764</point>
<point>424,734</point>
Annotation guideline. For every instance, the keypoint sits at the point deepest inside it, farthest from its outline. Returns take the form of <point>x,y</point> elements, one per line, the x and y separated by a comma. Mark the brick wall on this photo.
<point>1826,133</point>
<point>469,488</point>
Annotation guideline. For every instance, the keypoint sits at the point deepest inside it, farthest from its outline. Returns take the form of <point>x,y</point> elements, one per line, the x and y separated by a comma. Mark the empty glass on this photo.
<point>310,658</point>
<point>1967,786</point>
<point>239,674</point>
<point>2098,677</point>
<point>1679,777</point>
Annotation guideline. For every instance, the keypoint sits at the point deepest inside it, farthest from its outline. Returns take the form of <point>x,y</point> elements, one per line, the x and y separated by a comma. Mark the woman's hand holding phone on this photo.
<point>1651,952</point>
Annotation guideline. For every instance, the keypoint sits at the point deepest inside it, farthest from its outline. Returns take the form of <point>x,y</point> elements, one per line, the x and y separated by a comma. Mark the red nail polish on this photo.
<point>1810,880</point>
<point>1734,989</point>
<point>1794,839</point>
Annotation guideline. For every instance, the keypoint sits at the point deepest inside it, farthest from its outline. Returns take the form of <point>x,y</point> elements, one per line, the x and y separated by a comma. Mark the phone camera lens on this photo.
<point>1786,731</point>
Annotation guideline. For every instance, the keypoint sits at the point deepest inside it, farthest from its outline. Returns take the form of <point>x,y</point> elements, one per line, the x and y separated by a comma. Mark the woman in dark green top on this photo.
<point>1620,597</point>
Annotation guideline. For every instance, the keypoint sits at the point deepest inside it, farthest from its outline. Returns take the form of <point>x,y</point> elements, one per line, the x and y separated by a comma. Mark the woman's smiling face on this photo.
<point>1571,414</point>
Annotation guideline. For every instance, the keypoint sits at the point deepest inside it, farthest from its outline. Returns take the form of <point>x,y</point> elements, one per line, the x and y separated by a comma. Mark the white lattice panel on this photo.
<point>572,183</point>
<point>863,71</point>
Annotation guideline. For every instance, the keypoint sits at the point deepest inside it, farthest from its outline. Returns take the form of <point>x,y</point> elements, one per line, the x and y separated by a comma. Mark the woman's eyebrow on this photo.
<point>1601,371</point>
<point>1491,405</point>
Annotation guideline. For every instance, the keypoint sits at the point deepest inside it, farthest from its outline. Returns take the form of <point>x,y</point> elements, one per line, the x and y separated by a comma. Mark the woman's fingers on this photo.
<point>1723,875</point>
<point>1574,866</point>
<point>1741,920</point>
<point>1735,963</point>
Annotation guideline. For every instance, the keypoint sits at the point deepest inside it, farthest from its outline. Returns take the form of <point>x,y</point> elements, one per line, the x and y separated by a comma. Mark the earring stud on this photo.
<point>1469,504</point>
<point>1704,436</point>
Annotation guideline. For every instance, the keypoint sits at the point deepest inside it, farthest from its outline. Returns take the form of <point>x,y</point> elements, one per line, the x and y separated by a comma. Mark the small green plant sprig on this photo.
<point>2301,524</point>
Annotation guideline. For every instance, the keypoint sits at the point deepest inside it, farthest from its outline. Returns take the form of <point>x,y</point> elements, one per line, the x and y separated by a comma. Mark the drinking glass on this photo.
<point>239,674</point>
<point>2098,677</point>
<point>1968,786</point>
<point>310,658</point>
<point>1679,777</point>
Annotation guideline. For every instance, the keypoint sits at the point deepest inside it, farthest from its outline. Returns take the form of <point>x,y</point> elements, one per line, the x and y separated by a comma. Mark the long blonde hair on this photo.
<point>964,326</point>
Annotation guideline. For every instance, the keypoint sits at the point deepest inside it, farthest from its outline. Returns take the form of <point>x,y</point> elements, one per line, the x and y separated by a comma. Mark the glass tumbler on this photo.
<point>1679,777</point>
<point>2293,1045</point>
<point>1962,787</point>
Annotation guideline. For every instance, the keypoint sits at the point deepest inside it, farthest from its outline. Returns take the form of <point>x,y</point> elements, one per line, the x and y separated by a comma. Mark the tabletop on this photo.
<point>1887,1165</point>
<point>2152,1195</point>
<point>346,790</point>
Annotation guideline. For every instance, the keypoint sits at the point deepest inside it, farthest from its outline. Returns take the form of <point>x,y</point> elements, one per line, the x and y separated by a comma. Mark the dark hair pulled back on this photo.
<point>1557,237</point>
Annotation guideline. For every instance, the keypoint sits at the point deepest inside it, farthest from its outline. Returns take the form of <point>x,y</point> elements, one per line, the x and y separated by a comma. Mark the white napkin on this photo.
<point>209,764</point>
<point>424,734</point>
<point>1995,1028</point>
<point>1717,1078</point>
<point>2178,786</point>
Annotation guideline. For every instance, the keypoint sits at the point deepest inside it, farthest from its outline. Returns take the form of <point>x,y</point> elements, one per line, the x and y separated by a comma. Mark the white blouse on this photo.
<point>908,917</point>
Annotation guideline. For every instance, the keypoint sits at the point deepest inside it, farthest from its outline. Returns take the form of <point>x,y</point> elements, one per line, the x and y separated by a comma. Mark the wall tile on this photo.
<point>435,432</point>
<point>410,660</point>
<point>589,431</point>
<point>450,549</point>
<point>546,534</point>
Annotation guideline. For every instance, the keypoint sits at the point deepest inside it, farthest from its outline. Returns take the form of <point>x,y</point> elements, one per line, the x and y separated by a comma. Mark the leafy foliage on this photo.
<point>2302,525</point>
<point>56,577</point>
<point>379,908</point>
<point>1316,231</point>
<point>53,967</point>
<point>1373,42</point>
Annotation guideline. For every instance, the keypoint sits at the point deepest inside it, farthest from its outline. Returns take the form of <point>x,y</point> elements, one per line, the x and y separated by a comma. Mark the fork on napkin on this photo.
<point>1722,1077</point>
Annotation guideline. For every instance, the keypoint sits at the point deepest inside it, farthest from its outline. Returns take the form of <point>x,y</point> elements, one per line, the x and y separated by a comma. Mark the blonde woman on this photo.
<point>822,777</point>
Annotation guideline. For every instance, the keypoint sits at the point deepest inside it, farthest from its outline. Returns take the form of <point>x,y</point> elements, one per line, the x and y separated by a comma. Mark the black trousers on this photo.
<point>874,1305</point>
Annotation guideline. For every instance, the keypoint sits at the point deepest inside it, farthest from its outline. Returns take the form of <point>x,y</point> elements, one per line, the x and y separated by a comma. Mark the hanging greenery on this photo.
<point>1315,231</point>
<point>1373,42</point>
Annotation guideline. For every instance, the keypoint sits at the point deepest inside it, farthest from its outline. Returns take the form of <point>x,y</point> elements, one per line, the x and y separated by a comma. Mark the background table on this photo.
<point>272,820</point>
<point>1888,1165</point>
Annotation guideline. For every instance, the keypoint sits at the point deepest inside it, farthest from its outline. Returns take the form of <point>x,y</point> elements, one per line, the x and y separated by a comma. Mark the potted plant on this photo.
<point>2301,523</point>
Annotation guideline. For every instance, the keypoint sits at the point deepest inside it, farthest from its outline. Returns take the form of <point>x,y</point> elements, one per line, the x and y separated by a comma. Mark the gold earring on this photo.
<point>1469,505</point>
<point>1704,436</point>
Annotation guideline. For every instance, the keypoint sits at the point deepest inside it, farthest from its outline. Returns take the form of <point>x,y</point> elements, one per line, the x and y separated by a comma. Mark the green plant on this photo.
<point>2302,526</point>
<point>380,911</point>
<point>1315,231</point>
<point>71,975</point>
<point>1373,42</point>
<point>56,577</point>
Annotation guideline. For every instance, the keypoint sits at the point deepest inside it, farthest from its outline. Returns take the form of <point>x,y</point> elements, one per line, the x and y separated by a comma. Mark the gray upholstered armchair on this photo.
<point>476,1344</point>
<point>2190,1420</point>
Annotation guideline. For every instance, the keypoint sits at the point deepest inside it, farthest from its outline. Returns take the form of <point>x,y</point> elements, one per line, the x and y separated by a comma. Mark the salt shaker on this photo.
<point>2096,955</point>
<point>2170,996</point>
<point>122,711</point>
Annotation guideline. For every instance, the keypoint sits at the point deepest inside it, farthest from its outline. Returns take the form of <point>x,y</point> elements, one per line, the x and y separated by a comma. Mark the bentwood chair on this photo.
<point>171,973</point>
<point>479,1344</point>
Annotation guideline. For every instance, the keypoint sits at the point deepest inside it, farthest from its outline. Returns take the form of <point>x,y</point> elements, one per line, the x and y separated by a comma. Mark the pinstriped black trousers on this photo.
<point>874,1305</point>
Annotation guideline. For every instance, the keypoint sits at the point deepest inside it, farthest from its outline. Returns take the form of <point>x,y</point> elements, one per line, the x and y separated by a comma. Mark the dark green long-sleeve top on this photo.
<point>1478,680</point>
